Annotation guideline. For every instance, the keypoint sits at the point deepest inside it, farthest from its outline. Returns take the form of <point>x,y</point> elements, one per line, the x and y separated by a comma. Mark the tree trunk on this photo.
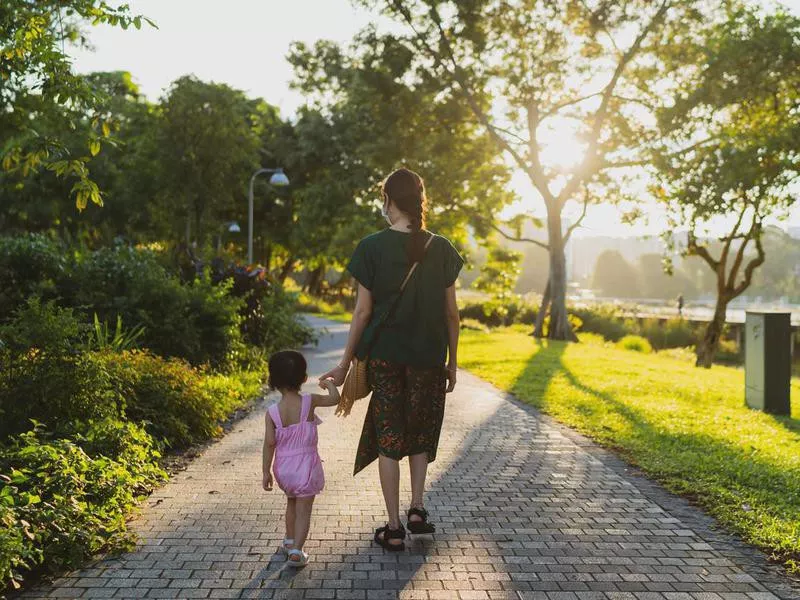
<point>559,328</point>
<point>707,349</point>
<point>288,268</point>
<point>313,279</point>
<point>538,328</point>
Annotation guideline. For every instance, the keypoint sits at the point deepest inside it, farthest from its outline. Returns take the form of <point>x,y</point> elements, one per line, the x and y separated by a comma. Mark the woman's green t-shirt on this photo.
<point>416,334</point>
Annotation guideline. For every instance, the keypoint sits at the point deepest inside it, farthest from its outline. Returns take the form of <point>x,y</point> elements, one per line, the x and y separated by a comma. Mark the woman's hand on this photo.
<point>337,374</point>
<point>266,481</point>
<point>452,375</point>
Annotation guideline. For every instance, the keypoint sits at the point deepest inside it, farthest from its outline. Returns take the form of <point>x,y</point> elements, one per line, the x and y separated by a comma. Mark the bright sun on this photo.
<point>560,148</point>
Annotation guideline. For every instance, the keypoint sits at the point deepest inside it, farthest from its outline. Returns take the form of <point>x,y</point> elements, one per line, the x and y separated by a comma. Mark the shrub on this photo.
<point>728,353</point>
<point>474,325</point>
<point>670,333</point>
<point>593,339</point>
<point>267,310</point>
<point>635,343</point>
<point>31,265</point>
<point>59,505</point>
<point>45,375</point>
<point>307,303</point>
<point>167,396</point>
<point>604,320</point>
<point>176,403</point>
<point>198,322</point>
<point>493,313</point>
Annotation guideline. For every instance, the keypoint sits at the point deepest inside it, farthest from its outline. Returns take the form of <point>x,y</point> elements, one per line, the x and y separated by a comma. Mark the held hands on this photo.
<point>336,375</point>
<point>266,481</point>
<point>329,385</point>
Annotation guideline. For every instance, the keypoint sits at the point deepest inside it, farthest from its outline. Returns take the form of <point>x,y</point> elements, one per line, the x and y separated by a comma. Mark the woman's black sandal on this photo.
<point>391,534</point>
<point>420,527</point>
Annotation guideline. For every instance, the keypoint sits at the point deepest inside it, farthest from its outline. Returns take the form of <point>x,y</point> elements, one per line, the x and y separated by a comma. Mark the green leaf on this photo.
<point>94,147</point>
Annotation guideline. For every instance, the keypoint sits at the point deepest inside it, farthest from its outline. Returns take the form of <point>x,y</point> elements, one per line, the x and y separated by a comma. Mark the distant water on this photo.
<point>697,313</point>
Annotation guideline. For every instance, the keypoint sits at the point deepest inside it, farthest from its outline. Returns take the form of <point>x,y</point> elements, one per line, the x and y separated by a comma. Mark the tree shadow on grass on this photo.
<point>723,476</point>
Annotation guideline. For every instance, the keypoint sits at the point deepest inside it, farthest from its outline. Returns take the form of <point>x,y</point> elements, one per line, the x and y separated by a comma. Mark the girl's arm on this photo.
<point>453,329</point>
<point>331,399</point>
<point>268,453</point>
<point>361,316</point>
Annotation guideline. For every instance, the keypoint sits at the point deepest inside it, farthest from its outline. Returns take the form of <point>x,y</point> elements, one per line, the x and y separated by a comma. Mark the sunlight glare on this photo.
<point>560,149</point>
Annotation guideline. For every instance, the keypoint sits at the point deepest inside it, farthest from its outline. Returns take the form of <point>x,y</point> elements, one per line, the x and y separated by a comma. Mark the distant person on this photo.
<point>680,306</point>
<point>407,351</point>
<point>290,447</point>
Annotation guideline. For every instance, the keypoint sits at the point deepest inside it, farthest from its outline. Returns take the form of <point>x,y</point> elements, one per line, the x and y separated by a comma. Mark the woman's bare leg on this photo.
<point>418,465</point>
<point>389,470</point>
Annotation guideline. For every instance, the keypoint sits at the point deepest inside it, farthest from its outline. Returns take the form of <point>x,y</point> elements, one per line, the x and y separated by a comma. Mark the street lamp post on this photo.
<point>278,179</point>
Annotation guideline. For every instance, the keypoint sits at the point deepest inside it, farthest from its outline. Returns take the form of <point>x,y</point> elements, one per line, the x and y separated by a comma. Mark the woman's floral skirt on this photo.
<point>405,412</point>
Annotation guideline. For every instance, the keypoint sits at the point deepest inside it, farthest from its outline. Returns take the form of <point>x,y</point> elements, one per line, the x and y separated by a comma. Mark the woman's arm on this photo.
<point>361,316</point>
<point>453,329</point>
<point>268,453</point>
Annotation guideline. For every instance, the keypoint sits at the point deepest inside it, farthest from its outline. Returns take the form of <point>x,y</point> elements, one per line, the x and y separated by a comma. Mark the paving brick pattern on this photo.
<point>526,509</point>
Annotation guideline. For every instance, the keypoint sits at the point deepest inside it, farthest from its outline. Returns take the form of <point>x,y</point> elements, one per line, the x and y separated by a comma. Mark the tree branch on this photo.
<point>753,233</point>
<point>535,169</point>
<point>476,109</point>
<point>577,223</point>
<point>586,168</point>
<point>701,251</point>
<point>727,247</point>
<point>604,29</point>
<point>750,269</point>
<point>519,238</point>
<point>561,105</point>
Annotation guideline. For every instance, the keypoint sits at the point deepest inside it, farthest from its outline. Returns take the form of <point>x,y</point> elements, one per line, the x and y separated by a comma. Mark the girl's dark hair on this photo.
<point>406,190</point>
<point>287,370</point>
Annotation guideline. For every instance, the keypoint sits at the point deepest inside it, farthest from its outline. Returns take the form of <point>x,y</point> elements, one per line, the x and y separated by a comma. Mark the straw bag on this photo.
<point>356,386</point>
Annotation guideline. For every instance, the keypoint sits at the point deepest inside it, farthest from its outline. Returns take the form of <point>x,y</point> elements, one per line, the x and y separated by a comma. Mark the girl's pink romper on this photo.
<point>297,465</point>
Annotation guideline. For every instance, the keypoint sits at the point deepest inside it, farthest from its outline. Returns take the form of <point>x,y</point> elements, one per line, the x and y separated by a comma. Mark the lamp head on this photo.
<point>279,178</point>
<point>234,227</point>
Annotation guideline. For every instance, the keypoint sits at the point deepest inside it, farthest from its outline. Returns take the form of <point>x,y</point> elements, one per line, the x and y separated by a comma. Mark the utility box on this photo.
<point>768,361</point>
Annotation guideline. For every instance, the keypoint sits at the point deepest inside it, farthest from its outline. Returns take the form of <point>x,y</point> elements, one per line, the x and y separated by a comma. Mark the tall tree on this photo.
<point>37,85</point>
<point>209,148</point>
<point>588,68</point>
<point>656,283</point>
<point>615,277</point>
<point>741,113</point>
<point>384,110</point>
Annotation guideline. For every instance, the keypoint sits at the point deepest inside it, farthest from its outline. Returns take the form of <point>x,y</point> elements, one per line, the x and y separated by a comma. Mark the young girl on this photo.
<point>291,438</point>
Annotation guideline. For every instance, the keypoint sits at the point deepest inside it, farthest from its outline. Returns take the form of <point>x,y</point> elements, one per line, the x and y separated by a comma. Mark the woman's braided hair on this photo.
<point>406,190</point>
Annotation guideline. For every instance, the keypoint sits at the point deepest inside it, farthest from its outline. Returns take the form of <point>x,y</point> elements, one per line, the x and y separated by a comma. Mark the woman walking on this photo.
<point>408,343</point>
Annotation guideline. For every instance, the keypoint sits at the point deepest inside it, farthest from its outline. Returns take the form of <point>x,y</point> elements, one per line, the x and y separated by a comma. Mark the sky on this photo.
<point>244,44</point>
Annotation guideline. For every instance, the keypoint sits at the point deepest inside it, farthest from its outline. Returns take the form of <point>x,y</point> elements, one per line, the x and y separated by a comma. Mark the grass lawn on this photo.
<point>688,428</point>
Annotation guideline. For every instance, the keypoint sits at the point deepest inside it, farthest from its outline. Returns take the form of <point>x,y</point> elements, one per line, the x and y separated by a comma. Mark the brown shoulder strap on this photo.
<point>414,266</point>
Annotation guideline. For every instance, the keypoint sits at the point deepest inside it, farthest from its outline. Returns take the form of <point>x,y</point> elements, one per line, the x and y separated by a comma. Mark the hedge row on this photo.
<point>107,359</point>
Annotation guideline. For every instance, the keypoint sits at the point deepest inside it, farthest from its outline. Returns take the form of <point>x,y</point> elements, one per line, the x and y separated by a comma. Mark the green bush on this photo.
<point>30,265</point>
<point>166,396</point>
<point>474,325</point>
<point>604,320</point>
<point>59,505</point>
<point>635,343</point>
<point>670,333</point>
<point>728,353</point>
<point>307,303</point>
<point>45,375</point>
<point>198,322</point>
<point>496,313</point>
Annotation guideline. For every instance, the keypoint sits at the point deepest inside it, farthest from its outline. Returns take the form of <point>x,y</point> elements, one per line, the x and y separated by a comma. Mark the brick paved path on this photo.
<point>526,509</point>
